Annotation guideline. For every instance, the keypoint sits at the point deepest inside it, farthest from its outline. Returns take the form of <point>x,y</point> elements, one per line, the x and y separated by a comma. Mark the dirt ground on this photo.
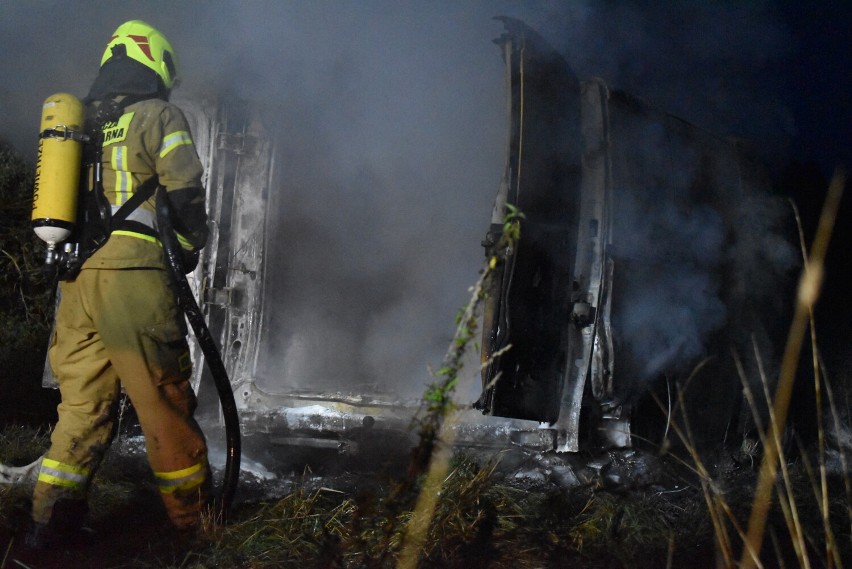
<point>632,509</point>
<point>624,509</point>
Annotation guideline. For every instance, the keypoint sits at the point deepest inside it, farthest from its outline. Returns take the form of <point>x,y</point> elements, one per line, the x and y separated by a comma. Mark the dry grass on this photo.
<point>773,456</point>
<point>481,519</point>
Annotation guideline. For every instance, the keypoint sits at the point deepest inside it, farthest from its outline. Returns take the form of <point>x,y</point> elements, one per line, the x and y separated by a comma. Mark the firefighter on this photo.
<point>118,324</point>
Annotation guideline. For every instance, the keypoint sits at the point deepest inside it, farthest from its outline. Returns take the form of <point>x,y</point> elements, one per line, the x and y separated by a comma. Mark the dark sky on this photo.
<point>777,71</point>
<point>819,80</point>
<point>393,116</point>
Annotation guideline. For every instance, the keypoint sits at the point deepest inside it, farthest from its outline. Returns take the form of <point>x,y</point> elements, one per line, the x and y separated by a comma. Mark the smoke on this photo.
<point>390,122</point>
<point>672,298</point>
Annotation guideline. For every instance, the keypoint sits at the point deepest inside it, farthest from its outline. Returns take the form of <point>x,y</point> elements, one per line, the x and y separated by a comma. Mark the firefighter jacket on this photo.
<point>151,138</point>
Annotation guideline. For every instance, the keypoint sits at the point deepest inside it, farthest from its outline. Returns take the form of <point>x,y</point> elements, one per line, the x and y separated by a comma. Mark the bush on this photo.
<point>26,299</point>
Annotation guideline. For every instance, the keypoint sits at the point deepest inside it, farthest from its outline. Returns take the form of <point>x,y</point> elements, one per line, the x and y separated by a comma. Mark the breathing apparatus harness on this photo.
<point>96,221</point>
<point>95,218</point>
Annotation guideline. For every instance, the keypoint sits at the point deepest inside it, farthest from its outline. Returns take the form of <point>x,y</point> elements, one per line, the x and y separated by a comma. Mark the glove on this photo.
<point>189,259</point>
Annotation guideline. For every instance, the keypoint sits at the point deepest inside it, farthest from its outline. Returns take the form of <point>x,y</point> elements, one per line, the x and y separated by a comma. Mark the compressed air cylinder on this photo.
<point>57,179</point>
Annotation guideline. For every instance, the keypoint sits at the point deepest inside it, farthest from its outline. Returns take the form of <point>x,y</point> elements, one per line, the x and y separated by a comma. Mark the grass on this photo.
<point>484,518</point>
<point>809,289</point>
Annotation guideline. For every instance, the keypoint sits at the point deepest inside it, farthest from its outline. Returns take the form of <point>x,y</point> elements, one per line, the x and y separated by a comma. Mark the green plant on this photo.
<point>437,422</point>
<point>25,296</point>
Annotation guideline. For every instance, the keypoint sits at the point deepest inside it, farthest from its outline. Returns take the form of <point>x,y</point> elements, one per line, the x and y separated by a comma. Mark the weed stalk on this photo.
<point>436,433</point>
<point>809,289</point>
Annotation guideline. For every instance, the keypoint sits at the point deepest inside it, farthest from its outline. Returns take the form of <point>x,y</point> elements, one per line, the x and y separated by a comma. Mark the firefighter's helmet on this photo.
<point>144,43</point>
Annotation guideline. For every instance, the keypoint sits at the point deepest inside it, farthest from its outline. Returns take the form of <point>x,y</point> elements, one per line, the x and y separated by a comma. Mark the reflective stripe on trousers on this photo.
<point>182,480</point>
<point>66,475</point>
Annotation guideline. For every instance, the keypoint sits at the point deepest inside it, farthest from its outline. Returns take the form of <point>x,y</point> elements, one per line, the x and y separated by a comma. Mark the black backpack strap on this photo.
<point>142,193</point>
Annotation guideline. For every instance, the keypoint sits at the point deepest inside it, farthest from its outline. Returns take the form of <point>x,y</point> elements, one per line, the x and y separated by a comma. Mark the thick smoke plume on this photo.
<point>390,121</point>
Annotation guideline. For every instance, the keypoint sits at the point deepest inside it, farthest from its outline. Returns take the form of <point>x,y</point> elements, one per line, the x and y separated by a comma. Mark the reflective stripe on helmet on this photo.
<point>172,141</point>
<point>59,474</point>
<point>185,479</point>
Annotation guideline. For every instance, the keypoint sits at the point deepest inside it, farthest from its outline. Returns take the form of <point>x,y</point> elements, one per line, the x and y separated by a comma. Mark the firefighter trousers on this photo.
<point>114,329</point>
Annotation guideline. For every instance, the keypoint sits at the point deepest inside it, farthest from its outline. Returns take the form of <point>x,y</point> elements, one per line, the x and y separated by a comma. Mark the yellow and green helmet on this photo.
<point>147,45</point>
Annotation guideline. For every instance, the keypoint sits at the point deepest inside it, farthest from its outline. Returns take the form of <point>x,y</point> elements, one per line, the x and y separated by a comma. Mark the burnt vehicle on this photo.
<point>630,260</point>
<point>643,240</point>
<point>647,244</point>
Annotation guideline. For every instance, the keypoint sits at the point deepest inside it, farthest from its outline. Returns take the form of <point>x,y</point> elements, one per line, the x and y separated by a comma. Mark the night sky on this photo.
<point>818,80</point>
<point>777,71</point>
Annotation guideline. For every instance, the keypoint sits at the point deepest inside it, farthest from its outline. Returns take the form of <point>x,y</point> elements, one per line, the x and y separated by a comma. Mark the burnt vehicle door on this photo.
<point>547,311</point>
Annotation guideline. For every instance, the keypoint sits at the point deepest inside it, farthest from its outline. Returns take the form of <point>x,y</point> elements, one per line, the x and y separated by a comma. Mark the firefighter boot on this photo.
<point>65,528</point>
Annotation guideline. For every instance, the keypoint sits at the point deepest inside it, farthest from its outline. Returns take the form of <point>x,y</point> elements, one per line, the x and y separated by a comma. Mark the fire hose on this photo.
<point>186,300</point>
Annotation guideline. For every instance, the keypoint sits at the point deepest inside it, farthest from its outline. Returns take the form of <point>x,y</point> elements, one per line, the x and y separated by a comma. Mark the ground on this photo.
<point>619,509</point>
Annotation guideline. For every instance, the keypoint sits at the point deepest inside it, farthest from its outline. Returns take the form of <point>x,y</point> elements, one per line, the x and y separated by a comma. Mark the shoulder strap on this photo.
<point>142,193</point>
